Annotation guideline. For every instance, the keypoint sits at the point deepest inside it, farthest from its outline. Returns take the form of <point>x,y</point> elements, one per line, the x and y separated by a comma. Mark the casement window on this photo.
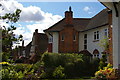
<point>96,35</point>
<point>62,37</point>
<point>85,41</point>
<point>74,37</point>
<point>96,55</point>
<point>50,39</point>
<point>106,32</point>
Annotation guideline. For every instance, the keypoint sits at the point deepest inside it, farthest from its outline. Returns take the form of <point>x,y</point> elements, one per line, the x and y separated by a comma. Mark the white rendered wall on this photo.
<point>32,50</point>
<point>55,42</point>
<point>116,38</point>
<point>91,45</point>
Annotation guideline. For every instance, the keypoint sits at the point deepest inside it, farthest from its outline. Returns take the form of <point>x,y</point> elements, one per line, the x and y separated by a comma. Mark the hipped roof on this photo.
<point>83,24</point>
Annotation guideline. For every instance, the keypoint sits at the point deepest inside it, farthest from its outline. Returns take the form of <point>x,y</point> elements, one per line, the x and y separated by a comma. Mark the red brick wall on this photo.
<point>110,40</point>
<point>50,47</point>
<point>68,45</point>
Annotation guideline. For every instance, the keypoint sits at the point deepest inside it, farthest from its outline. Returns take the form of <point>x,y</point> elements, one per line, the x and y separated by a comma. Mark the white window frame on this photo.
<point>50,39</point>
<point>85,44</point>
<point>96,35</point>
<point>106,32</point>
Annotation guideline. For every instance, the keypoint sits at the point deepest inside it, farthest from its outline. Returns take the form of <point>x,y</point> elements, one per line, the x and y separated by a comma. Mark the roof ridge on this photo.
<point>54,24</point>
<point>100,12</point>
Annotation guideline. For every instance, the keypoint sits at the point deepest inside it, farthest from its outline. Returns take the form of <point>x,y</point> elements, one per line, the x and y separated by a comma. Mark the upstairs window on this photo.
<point>74,37</point>
<point>106,32</point>
<point>85,41</point>
<point>62,38</point>
<point>50,39</point>
<point>96,35</point>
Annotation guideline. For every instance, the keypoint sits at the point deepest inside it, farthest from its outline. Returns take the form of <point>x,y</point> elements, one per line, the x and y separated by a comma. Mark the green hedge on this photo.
<point>53,66</point>
<point>75,65</point>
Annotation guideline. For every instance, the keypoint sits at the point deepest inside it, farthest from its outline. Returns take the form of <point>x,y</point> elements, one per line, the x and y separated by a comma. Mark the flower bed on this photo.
<point>107,73</point>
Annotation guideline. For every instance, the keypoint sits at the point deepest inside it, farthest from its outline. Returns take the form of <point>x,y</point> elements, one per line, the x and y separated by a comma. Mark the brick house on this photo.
<point>72,35</point>
<point>37,46</point>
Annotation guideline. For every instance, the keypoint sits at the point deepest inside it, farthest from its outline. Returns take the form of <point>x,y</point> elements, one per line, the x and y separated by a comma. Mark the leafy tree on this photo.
<point>104,43</point>
<point>8,36</point>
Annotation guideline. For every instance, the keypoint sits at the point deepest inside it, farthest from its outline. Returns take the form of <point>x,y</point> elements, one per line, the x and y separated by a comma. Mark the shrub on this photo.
<point>103,61</point>
<point>23,67</point>
<point>5,56</point>
<point>58,73</point>
<point>94,65</point>
<point>75,65</point>
<point>12,71</point>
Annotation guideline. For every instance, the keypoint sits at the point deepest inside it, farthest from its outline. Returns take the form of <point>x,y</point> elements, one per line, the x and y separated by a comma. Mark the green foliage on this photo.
<point>54,60</point>
<point>5,56</point>
<point>104,43</point>
<point>58,72</point>
<point>23,67</point>
<point>94,65</point>
<point>18,71</point>
<point>103,61</point>
<point>74,65</point>
<point>12,17</point>
<point>8,36</point>
<point>37,65</point>
<point>8,71</point>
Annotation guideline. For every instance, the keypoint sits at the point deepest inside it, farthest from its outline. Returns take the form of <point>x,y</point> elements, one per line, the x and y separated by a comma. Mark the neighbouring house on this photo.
<point>37,46</point>
<point>72,35</point>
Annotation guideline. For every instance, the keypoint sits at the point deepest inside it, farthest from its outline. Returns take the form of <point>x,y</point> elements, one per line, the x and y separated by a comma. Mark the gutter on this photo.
<point>116,10</point>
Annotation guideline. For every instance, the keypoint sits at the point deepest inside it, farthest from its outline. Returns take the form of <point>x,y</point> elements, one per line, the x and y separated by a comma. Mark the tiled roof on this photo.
<point>85,52</point>
<point>83,24</point>
<point>98,20</point>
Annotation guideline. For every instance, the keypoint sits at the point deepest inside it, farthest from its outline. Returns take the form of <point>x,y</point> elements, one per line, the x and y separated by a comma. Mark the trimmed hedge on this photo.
<point>75,65</point>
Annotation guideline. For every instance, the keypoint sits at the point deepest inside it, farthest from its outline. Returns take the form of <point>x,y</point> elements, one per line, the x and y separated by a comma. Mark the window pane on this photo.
<point>85,36</point>
<point>74,37</point>
<point>97,36</point>
<point>85,46</point>
<point>106,32</point>
<point>94,55</point>
<point>85,41</point>
<point>94,36</point>
<point>97,55</point>
<point>50,39</point>
<point>62,38</point>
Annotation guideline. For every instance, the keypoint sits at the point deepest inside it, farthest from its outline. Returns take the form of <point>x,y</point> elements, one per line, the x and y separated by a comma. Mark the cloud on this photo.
<point>32,13</point>
<point>28,14</point>
<point>90,12</point>
<point>86,8</point>
<point>40,20</point>
<point>46,23</point>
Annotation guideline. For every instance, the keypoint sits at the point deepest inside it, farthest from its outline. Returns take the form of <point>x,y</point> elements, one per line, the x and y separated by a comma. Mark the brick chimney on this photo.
<point>69,16</point>
<point>36,30</point>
